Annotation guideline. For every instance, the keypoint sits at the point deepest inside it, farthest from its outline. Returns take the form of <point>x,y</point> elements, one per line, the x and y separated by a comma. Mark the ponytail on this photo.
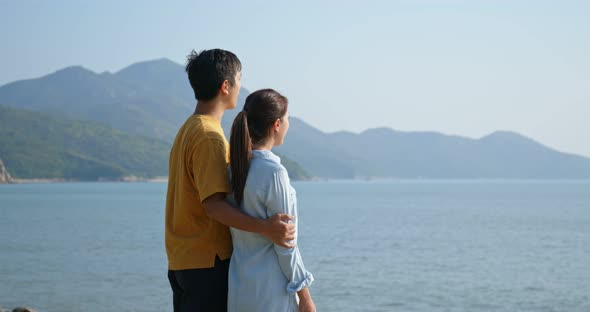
<point>251,126</point>
<point>240,154</point>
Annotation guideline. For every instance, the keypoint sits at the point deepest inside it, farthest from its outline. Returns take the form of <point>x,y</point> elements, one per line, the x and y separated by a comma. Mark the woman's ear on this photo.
<point>276,125</point>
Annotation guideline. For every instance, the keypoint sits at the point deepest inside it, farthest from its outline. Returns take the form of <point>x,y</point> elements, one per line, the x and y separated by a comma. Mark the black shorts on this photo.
<point>200,289</point>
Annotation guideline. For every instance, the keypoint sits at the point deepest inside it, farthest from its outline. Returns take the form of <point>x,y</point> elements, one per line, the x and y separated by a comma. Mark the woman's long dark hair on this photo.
<point>252,126</point>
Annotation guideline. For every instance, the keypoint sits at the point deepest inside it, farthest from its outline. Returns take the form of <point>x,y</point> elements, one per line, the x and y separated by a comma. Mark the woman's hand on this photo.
<point>305,302</point>
<point>307,306</point>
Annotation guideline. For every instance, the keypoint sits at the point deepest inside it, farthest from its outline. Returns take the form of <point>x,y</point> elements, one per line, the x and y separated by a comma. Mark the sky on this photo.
<point>465,68</point>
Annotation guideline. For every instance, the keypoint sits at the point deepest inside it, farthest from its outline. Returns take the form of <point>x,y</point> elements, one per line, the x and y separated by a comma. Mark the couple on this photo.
<point>257,202</point>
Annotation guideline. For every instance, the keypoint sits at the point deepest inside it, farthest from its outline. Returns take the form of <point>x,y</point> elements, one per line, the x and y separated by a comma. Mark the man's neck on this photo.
<point>212,108</point>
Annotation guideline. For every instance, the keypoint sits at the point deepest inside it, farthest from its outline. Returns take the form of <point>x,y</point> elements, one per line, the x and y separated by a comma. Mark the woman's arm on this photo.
<point>305,302</point>
<point>279,200</point>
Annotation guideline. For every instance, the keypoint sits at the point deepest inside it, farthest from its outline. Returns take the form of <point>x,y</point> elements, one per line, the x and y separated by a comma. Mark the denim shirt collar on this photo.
<point>266,154</point>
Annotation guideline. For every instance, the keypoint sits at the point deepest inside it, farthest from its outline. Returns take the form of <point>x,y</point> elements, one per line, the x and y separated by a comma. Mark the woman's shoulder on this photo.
<point>267,166</point>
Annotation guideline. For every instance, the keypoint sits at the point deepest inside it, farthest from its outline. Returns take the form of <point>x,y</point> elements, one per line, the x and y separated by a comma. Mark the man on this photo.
<point>198,241</point>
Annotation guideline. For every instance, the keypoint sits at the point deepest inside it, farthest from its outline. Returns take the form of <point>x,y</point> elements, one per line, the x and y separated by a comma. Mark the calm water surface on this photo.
<point>372,246</point>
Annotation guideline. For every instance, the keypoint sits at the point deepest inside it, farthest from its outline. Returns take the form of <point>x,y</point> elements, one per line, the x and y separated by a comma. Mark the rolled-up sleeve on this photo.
<point>280,199</point>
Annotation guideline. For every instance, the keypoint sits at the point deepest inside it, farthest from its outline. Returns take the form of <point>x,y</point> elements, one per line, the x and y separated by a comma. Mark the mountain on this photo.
<point>35,145</point>
<point>383,152</point>
<point>150,98</point>
<point>154,98</point>
<point>387,153</point>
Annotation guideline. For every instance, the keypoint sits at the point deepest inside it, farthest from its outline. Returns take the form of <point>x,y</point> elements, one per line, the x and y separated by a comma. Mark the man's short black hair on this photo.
<point>208,69</point>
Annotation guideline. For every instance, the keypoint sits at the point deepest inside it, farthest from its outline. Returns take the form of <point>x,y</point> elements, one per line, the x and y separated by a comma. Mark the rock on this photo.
<point>23,309</point>
<point>4,175</point>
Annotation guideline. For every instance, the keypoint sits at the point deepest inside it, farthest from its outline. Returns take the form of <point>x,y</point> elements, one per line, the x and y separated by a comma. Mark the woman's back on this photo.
<point>262,275</point>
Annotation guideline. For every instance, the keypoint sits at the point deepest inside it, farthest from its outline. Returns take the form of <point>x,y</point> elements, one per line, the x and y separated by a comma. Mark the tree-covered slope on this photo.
<point>35,145</point>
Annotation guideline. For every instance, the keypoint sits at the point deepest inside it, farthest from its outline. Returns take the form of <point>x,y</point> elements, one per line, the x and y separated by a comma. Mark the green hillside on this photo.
<point>34,145</point>
<point>296,172</point>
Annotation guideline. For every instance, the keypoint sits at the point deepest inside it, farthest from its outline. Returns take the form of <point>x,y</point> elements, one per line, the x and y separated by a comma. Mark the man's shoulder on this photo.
<point>200,132</point>
<point>214,136</point>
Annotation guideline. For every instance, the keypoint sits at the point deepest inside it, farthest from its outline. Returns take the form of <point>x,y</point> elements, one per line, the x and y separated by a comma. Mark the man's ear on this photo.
<point>224,87</point>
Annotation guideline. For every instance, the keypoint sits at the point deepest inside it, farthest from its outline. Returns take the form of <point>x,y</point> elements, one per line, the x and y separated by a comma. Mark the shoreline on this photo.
<point>134,179</point>
<point>130,179</point>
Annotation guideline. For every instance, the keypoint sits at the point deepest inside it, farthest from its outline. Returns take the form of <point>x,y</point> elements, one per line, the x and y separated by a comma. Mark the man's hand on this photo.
<point>279,231</point>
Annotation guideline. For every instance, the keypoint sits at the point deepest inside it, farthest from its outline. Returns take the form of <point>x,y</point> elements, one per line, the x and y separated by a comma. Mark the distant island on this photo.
<point>78,125</point>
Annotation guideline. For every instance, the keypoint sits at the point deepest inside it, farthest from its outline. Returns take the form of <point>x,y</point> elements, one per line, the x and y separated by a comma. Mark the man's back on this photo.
<point>197,169</point>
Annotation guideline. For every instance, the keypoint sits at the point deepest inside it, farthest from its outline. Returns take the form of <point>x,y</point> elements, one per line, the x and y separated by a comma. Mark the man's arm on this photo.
<point>275,229</point>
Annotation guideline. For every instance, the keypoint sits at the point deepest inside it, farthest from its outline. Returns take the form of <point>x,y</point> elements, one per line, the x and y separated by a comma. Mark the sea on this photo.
<point>399,245</point>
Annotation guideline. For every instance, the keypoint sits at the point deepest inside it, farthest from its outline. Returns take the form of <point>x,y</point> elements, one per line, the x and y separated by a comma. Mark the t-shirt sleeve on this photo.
<point>209,164</point>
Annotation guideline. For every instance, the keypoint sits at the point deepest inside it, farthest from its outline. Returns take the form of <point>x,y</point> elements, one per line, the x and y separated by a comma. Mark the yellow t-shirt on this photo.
<point>198,169</point>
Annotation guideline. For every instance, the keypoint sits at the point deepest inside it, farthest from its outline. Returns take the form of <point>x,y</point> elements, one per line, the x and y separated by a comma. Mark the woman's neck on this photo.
<point>265,145</point>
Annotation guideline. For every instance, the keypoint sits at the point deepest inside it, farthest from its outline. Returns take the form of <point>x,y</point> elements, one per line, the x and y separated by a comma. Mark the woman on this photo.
<point>263,276</point>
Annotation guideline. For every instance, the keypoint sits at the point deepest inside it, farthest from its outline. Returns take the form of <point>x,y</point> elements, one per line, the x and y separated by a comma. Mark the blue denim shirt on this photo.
<point>262,275</point>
